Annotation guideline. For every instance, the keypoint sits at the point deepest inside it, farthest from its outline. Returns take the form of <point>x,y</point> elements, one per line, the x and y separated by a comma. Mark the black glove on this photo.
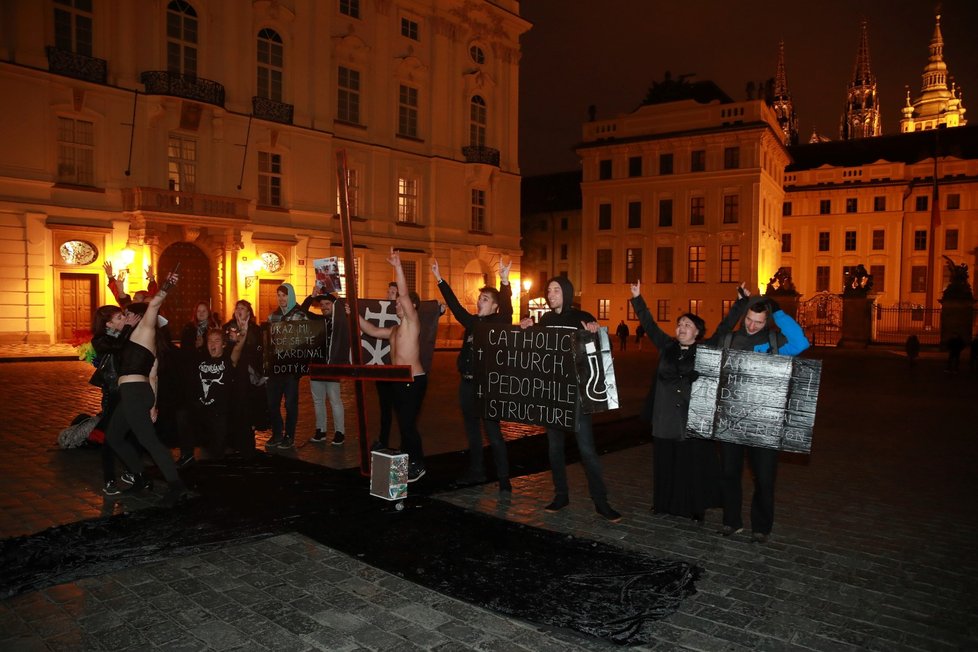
<point>741,292</point>
<point>774,305</point>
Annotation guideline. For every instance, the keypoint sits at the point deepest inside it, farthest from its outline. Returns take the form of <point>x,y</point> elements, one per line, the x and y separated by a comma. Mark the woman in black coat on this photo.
<point>686,472</point>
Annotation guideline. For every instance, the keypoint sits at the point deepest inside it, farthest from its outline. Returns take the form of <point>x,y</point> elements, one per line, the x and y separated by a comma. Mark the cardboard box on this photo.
<point>388,474</point>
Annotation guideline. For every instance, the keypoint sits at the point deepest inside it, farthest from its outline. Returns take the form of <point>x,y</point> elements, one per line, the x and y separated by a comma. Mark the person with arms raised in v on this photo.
<point>405,339</point>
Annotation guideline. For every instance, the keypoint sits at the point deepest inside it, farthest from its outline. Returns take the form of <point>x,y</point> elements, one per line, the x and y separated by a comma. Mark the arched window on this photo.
<point>477,122</point>
<point>270,63</point>
<point>181,38</point>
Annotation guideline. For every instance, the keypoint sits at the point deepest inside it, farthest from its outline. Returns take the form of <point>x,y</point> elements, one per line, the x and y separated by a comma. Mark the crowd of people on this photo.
<point>212,392</point>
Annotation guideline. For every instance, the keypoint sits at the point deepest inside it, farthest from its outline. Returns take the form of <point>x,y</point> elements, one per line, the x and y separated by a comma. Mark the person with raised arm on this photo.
<point>405,339</point>
<point>137,411</point>
<point>494,307</point>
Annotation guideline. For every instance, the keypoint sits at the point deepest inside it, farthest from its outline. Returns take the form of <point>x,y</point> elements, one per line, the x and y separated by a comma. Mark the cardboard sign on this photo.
<point>543,376</point>
<point>754,399</point>
<point>292,344</point>
<point>382,313</point>
<point>328,279</point>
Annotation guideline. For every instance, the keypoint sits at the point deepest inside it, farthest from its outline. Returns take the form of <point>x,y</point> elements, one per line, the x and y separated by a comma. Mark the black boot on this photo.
<point>560,501</point>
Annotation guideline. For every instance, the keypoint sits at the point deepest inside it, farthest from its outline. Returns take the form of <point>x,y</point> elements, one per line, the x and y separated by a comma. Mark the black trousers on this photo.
<point>589,459</point>
<point>764,466</point>
<point>473,431</point>
<point>407,405</point>
<point>385,397</point>
<point>136,399</point>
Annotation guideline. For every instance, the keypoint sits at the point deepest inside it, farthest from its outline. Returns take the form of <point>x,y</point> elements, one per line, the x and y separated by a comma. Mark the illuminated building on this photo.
<point>939,103</point>
<point>861,118</point>
<point>206,133</point>
<point>685,194</point>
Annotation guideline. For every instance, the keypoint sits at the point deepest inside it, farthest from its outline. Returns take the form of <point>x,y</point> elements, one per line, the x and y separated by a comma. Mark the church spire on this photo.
<point>861,117</point>
<point>782,104</point>
<point>939,102</point>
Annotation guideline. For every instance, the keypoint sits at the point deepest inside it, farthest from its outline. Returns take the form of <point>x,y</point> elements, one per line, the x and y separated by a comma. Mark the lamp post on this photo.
<point>525,298</point>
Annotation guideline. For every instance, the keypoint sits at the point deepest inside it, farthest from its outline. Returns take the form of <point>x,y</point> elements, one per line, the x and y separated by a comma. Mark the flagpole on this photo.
<point>935,221</point>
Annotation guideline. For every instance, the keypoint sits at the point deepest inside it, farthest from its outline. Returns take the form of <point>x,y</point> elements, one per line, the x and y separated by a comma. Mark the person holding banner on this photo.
<point>405,339</point>
<point>284,385</point>
<point>685,472</point>
<point>494,306</point>
<point>560,294</point>
<point>765,328</point>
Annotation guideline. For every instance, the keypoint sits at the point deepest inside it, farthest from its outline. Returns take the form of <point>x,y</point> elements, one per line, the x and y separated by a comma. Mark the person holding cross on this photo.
<point>495,307</point>
<point>405,339</point>
<point>560,294</point>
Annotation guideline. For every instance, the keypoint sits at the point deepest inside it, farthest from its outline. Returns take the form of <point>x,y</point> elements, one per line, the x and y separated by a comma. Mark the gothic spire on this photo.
<point>862,73</point>
<point>780,83</point>
<point>782,104</point>
<point>861,117</point>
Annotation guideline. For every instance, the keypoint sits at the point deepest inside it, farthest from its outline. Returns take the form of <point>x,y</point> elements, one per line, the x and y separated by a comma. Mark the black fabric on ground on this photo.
<point>521,571</point>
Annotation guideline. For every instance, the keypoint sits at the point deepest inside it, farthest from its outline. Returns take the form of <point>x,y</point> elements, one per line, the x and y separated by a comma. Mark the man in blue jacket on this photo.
<point>757,332</point>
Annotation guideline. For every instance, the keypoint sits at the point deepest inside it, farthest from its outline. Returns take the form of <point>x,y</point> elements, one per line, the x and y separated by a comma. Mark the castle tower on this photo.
<point>939,102</point>
<point>861,118</point>
<point>782,104</point>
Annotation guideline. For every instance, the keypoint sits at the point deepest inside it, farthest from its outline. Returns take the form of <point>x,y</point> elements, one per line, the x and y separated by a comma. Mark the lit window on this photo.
<point>182,163</point>
<point>407,200</point>
<point>407,112</point>
<point>269,179</point>
<point>73,26</point>
<point>604,307</point>
<point>697,264</point>
<point>633,265</point>
<point>181,38</point>
<point>478,119</point>
<point>696,306</point>
<point>478,210</point>
<point>729,263</point>
<point>76,152</point>
<point>270,62</point>
<point>348,95</point>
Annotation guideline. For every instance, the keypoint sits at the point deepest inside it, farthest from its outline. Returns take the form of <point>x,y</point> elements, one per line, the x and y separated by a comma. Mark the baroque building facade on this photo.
<point>206,132</point>
<point>684,194</point>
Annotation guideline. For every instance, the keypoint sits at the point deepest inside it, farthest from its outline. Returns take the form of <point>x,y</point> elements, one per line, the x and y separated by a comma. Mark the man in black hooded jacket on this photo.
<point>560,294</point>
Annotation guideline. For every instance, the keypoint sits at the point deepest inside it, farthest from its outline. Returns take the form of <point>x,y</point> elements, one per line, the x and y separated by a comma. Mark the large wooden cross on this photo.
<point>358,372</point>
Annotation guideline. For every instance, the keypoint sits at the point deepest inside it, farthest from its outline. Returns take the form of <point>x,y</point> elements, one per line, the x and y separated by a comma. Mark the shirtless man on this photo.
<point>405,339</point>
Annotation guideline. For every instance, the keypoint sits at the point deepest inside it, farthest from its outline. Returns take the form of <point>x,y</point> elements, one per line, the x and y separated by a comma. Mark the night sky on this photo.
<point>608,53</point>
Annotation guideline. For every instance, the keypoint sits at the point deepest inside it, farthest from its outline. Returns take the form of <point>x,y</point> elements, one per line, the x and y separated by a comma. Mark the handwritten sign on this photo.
<point>754,399</point>
<point>292,344</point>
<point>595,371</point>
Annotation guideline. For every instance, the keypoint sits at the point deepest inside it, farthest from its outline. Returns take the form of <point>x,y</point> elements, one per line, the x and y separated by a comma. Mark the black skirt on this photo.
<point>686,476</point>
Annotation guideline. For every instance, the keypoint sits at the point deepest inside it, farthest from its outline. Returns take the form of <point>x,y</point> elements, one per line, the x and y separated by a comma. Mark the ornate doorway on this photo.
<point>267,298</point>
<point>78,297</point>
<point>194,286</point>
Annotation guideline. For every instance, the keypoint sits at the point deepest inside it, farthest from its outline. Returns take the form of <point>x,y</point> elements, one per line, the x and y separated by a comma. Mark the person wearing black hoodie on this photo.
<point>765,328</point>
<point>494,308</point>
<point>560,294</point>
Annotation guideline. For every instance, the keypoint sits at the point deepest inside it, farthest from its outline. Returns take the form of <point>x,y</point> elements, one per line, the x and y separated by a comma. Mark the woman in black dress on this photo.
<point>686,472</point>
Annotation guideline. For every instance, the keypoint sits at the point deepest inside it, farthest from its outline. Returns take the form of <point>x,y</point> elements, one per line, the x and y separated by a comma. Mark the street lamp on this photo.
<point>525,298</point>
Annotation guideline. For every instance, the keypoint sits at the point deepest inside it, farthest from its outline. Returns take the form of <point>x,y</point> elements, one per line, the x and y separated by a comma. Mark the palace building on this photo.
<point>206,133</point>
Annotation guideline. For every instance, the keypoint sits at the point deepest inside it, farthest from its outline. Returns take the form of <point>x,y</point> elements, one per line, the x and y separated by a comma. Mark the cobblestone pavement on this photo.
<point>872,548</point>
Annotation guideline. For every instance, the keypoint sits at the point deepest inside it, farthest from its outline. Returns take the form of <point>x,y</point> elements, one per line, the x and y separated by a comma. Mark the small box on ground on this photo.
<point>388,474</point>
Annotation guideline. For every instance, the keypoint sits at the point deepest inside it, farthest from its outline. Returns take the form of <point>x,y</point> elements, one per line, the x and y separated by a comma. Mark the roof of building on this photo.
<point>959,142</point>
<point>551,192</point>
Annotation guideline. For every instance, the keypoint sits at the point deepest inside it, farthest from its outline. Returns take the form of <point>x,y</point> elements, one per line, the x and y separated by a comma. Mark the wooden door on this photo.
<point>78,299</point>
<point>194,285</point>
<point>267,298</point>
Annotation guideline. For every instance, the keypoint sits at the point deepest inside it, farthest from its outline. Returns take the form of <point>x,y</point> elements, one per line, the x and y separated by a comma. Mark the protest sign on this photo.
<point>290,345</point>
<point>537,375</point>
<point>382,313</point>
<point>754,399</point>
<point>328,278</point>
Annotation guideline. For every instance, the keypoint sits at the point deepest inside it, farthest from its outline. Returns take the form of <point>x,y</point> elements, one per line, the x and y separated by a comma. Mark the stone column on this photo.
<point>857,324</point>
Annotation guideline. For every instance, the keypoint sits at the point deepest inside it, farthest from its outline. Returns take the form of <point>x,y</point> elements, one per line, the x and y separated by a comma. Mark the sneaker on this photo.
<point>128,477</point>
<point>319,437</point>
<point>559,502</point>
<point>605,510</point>
<point>139,483</point>
<point>759,537</point>
<point>185,460</point>
<point>111,488</point>
<point>274,441</point>
<point>338,438</point>
<point>416,471</point>
<point>729,530</point>
<point>287,443</point>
